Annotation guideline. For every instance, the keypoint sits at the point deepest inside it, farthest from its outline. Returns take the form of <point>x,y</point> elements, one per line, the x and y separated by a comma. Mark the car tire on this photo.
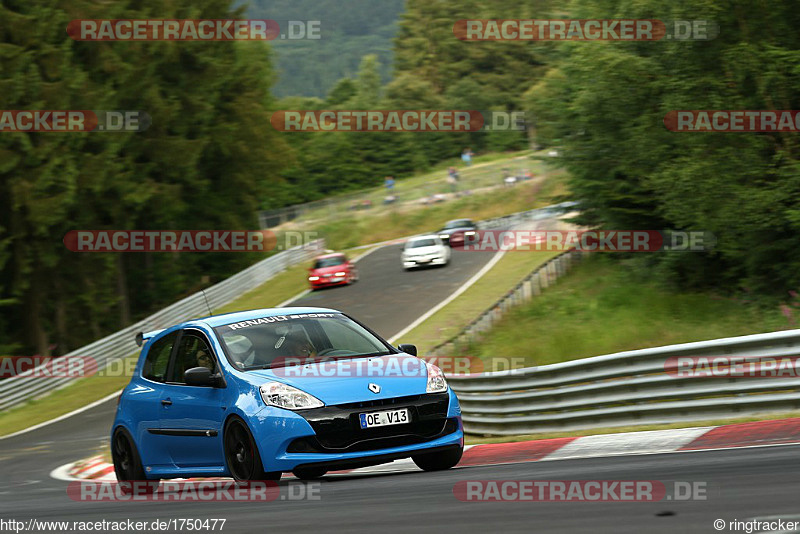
<point>241,454</point>
<point>309,472</point>
<point>438,461</point>
<point>128,465</point>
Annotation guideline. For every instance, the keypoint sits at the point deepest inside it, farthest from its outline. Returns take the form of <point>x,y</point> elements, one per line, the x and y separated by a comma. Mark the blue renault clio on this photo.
<point>254,394</point>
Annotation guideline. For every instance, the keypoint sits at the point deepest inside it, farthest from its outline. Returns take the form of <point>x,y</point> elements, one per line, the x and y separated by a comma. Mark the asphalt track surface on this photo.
<point>387,298</point>
<point>741,484</point>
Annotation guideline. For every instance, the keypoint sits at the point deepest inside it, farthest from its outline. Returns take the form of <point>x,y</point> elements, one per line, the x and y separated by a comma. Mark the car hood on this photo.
<point>421,251</point>
<point>347,380</point>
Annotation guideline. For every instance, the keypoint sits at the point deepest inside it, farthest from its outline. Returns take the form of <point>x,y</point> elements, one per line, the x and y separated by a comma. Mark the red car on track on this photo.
<point>332,270</point>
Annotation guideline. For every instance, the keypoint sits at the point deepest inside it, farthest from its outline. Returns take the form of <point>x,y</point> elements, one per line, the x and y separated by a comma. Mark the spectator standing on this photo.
<point>466,156</point>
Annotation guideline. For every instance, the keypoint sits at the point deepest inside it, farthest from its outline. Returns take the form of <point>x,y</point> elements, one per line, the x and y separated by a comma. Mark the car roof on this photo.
<point>426,236</point>
<point>234,317</point>
<point>331,255</point>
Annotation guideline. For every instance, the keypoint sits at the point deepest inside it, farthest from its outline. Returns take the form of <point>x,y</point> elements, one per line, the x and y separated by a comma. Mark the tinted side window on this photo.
<point>155,365</point>
<point>193,351</point>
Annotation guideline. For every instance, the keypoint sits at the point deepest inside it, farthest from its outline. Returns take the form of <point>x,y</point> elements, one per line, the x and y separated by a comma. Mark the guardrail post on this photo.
<point>544,278</point>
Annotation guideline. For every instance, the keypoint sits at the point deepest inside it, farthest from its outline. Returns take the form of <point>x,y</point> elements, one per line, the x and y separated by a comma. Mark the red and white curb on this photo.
<point>755,434</point>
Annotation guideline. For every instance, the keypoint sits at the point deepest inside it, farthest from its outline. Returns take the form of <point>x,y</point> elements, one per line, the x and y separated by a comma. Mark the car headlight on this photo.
<point>313,278</point>
<point>436,381</point>
<point>443,236</point>
<point>469,233</point>
<point>285,396</point>
<point>340,273</point>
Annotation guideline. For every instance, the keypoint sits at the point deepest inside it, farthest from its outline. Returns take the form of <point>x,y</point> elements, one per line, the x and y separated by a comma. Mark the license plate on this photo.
<point>391,417</point>
<point>337,279</point>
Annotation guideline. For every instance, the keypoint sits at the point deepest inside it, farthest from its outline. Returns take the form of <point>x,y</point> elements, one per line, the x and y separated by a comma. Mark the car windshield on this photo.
<point>329,262</point>
<point>420,243</point>
<point>282,340</point>
<point>460,223</point>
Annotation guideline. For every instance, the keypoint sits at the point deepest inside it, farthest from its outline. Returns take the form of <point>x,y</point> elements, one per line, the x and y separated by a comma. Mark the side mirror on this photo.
<point>202,376</point>
<point>408,348</point>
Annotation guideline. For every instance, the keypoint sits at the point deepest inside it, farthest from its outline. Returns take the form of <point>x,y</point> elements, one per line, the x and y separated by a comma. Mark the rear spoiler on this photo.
<point>141,337</point>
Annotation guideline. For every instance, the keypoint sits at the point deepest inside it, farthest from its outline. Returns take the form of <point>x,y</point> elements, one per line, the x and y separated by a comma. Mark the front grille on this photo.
<point>378,403</point>
<point>337,428</point>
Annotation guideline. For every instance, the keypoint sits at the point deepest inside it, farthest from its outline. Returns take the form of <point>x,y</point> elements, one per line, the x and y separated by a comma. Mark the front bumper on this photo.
<point>327,282</point>
<point>331,435</point>
<point>421,261</point>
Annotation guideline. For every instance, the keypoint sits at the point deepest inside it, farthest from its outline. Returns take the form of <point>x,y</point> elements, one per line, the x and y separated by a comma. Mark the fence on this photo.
<point>629,388</point>
<point>485,175</point>
<point>120,344</point>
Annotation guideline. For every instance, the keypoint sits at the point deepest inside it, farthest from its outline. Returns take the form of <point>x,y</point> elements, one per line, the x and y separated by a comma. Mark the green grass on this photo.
<point>602,307</point>
<point>485,171</point>
<point>352,230</point>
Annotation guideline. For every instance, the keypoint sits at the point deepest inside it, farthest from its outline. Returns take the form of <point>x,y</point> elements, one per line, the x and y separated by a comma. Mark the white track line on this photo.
<point>62,417</point>
<point>645,442</point>
<point>466,285</point>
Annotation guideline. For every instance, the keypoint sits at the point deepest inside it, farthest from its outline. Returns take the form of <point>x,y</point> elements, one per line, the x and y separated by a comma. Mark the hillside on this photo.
<point>312,67</point>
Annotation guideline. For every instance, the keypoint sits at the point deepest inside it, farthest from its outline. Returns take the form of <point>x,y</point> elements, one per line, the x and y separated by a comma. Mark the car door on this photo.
<point>143,402</point>
<point>192,416</point>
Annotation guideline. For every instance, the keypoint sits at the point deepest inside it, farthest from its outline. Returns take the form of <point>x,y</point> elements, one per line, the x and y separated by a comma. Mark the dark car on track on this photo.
<point>454,232</point>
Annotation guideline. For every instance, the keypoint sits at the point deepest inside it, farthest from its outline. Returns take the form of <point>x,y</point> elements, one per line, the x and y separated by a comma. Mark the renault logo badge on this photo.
<point>375,388</point>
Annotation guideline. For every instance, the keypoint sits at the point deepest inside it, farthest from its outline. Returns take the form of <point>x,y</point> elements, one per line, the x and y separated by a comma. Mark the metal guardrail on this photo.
<point>628,388</point>
<point>35,382</point>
